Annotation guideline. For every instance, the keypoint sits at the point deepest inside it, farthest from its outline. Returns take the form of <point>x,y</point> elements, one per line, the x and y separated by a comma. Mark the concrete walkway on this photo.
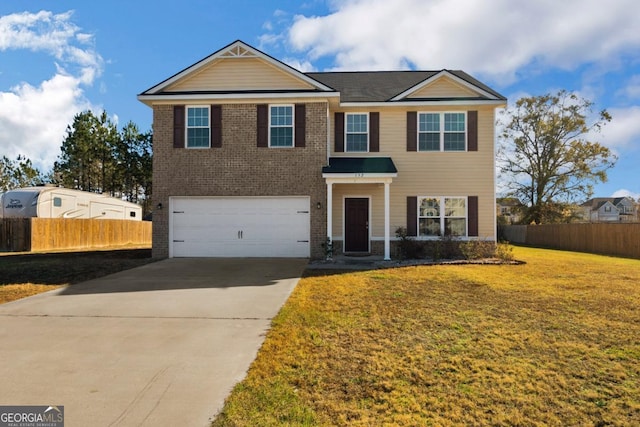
<point>159,345</point>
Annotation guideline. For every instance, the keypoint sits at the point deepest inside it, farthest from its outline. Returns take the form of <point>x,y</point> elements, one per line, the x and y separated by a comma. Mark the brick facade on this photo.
<point>239,167</point>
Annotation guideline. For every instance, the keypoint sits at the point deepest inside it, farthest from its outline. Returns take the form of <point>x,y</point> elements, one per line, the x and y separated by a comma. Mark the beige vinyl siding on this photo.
<point>376,206</point>
<point>239,74</point>
<point>426,173</point>
<point>443,88</point>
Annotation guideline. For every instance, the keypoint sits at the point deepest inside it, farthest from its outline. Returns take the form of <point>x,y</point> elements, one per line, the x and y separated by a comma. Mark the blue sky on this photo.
<point>60,57</point>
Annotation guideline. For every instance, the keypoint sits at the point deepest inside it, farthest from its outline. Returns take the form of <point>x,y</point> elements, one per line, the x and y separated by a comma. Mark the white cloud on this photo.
<point>632,89</point>
<point>624,128</point>
<point>34,116</point>
<point>33,119</point>
<point>626,193</point>
<point>304,66</point>
<point>496,38</point>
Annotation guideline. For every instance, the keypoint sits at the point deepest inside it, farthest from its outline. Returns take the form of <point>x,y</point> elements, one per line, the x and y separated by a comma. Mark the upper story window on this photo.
<point>357,132</point>
<point>281,125</point>
<point>442,132</point>
<point>442,216</point>
<point>625,209</point>
<point>198,132</point>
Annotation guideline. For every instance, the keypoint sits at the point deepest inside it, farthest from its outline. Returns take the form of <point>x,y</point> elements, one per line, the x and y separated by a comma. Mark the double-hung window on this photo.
<point>281,125</point>
<point>442,132</point>
<point>198,127</point>
<point>442,216</point>
<point>357,132</point>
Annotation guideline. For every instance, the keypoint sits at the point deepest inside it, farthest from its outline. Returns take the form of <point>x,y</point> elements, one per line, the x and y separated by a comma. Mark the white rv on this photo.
<point>57,202</point>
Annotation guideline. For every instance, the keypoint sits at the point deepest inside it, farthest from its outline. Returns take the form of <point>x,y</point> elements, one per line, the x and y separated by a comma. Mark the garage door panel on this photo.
<point>240,227</point>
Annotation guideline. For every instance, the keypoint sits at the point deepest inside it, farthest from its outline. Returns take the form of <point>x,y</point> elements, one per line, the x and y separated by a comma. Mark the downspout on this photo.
<point>495,180</point>
<point>329,204</point>
<point>328,134</point>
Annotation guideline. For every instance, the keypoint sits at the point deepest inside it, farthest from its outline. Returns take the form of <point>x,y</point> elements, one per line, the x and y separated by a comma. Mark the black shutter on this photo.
<point>216,126</point>
<point>300,125</point>
<point>412,131</point>
<point>339,132</point>
<point>263,125</point>
<point>178,126</point>
<point>472,211</point>
<point>374,132</point>
<point>412,216</point>
<point>472,130</point>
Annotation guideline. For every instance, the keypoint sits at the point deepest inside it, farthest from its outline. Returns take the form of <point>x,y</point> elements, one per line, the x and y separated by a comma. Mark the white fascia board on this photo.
<point>496,103</point>
<point>440,75</point>
<point>358,178</point>
<point>148,99</point>
<point>255,53</point>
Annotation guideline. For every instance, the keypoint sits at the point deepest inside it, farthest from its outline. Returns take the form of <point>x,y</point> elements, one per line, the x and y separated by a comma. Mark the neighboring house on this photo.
<point>254,158</point>
<point>510,209</point>
<point>610,209</point>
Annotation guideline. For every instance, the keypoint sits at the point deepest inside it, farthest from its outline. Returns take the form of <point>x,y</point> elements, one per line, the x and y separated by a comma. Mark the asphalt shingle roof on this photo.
<point>382,86</point>
<point>360,165</point>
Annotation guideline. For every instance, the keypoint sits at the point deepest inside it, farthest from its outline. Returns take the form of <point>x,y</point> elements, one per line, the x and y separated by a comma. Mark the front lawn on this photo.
<point>553,342</point>
<point>23,275</point>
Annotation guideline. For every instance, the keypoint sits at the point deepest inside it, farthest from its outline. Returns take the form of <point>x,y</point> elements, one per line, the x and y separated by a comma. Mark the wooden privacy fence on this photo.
<point>609,239</point>
<point>46,234</point>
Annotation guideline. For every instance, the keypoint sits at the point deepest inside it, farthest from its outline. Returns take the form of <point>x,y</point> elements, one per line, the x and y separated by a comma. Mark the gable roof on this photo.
<point>509,201</point>
<point>597,202</point>
<point>389,86</point>
<point>357,87</point>
<point>237,49</point>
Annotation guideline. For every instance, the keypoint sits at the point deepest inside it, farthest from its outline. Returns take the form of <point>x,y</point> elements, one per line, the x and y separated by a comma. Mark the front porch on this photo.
<point>363,194</point>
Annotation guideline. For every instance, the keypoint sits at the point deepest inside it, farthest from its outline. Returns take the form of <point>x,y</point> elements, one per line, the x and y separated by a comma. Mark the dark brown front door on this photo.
<point>356,218</point>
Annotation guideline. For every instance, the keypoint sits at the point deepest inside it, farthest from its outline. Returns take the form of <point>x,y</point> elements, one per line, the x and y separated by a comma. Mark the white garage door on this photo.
<point>239,227</point>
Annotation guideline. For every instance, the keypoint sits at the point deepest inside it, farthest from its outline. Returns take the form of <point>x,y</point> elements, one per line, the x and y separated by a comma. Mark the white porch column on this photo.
<point>330,211</point>
<point>387,245</point>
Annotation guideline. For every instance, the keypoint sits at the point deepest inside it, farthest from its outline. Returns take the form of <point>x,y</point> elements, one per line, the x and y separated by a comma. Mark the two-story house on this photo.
<point>253,158</point>
<point>610,209</point>
<point>509,210</point>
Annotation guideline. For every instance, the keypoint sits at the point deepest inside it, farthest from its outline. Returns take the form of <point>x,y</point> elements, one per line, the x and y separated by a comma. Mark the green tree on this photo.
<point>134,160</point>
<point>96,157</point>
<point>19,173</point>
<point>86,161</point>
<point>545,158</point>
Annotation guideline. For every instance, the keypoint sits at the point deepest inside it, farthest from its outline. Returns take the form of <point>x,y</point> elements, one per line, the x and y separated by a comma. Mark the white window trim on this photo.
<point>442,132</point>
<point>187,127</point>
<point>346,121</point>
<point>293,125</point>
<point>442,217</point>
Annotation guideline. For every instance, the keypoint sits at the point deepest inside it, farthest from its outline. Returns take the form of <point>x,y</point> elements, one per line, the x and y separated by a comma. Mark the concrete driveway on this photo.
<point>159,345</point>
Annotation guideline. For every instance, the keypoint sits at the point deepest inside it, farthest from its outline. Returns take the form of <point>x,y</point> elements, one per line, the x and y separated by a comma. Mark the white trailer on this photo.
<point>58,202</point>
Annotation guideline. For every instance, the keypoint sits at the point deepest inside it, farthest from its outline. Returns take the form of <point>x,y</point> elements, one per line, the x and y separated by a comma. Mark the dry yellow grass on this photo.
<point>26,274</point>
<point>10,293</point>
<point>553,342</point>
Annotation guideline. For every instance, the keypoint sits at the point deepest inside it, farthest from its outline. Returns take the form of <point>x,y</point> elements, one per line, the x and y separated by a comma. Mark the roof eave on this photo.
<point>165,97</point>
<point>422,102</point>
<point>359,175</point>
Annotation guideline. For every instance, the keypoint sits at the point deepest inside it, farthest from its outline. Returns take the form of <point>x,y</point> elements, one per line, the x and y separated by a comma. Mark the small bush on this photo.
<point>481,249</point>
<point>478,249</point>
<point>327,246</point>
<point>409,247</point>
<point>504,251</point>
<point>450,247</point>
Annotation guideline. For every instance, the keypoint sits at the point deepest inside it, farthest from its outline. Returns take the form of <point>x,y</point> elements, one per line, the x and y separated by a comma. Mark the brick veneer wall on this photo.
<point>239,167</point>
